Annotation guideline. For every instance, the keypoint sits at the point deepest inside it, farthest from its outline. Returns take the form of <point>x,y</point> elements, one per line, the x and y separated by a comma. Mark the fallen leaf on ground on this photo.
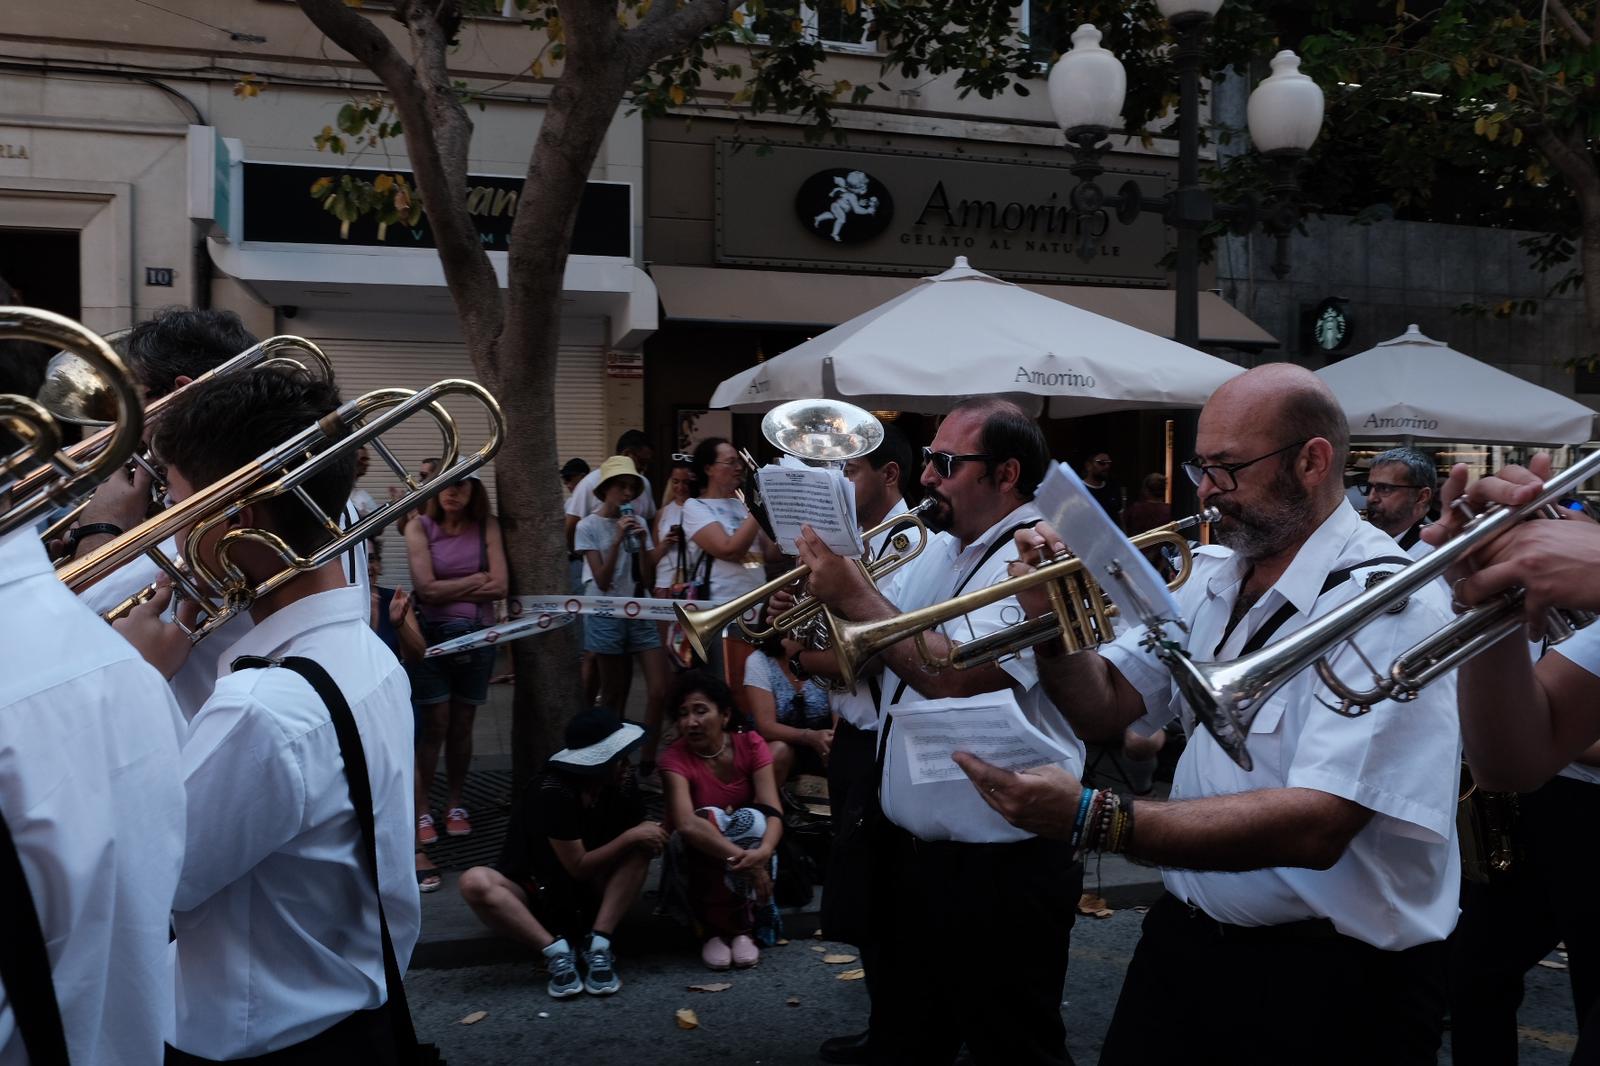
<point>688,1019</point>
<point>793,1001</point>
<point>817,935</point>
<point>782,942</point>
<point>720,986</point>
<point>544,1014</point>
<point>851,975</point>
<point>1552,964</point>
<point>818,947</point>
<point>838,959</point>
<point>475,1017</point>
<point>1094,906</point>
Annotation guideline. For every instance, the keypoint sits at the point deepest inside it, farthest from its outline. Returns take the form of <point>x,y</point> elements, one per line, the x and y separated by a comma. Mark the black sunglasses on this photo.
<point>1222,474</point>
<point>944,463</point>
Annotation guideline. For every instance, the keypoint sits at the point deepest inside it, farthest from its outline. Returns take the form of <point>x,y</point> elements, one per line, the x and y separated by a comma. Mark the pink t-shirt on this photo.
<point>750,753</point>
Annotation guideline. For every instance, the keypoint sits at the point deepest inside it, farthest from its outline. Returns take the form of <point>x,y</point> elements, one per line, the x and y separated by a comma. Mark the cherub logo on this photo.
<point>846,206</point>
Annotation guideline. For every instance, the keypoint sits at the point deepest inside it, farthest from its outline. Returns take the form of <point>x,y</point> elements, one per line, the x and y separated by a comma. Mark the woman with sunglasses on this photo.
<point>718,522</point>
<point>683,565</point>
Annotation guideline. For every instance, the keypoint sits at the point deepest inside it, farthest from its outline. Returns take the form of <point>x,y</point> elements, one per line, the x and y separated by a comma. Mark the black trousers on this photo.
<point>365,1037</point>
<point>853,794</point>
<point>1550,895</point>
<point>973,949</point>
<point>1200,991</point>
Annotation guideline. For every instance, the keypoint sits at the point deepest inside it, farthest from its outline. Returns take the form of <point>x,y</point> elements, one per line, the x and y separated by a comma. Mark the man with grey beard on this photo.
<point>1400,487</point>
<point>1327,870</point>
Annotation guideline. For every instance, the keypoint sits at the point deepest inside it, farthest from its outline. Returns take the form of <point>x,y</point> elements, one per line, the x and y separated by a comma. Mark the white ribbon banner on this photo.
<point>540,614</point>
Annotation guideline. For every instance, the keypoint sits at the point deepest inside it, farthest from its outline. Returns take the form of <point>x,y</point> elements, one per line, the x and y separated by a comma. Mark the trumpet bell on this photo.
<point>828,431</point>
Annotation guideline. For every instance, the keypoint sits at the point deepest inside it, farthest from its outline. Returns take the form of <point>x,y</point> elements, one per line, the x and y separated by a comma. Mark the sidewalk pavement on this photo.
<point>453,936</point>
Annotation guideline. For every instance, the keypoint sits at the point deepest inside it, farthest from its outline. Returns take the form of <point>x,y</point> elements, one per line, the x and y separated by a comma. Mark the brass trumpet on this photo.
<point>58,476</point>
<point>702,627</point>
<point>224,590</point>
<point>1081,615</point>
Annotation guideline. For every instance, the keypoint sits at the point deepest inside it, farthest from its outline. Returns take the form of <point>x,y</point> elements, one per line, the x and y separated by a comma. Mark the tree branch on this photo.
<point>1563,16</point>
<point>438,134</point>
<point>676,29</point>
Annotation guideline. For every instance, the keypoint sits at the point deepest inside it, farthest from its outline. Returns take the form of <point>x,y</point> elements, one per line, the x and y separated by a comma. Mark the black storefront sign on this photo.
<point>279,208</point>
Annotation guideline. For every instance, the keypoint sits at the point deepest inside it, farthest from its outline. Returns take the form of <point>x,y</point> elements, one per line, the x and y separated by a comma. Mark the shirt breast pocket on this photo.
<point>1266,737</point>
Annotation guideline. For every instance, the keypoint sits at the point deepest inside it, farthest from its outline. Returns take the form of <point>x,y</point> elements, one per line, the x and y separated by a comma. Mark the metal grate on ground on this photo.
<point>487,797</point>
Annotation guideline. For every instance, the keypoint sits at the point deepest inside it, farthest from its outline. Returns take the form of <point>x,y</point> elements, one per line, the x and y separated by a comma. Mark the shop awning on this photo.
<point>819,301</point>
<point>411,280</point>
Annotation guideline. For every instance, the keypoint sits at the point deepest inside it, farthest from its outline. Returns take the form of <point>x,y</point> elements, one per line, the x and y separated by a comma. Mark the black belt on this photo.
<point>1285,932</point>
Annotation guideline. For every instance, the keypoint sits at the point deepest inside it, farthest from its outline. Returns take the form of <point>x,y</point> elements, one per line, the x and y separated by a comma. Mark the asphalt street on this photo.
<point>777,1014</point>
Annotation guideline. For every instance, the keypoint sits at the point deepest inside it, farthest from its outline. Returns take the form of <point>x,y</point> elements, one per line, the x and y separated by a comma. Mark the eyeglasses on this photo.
<point>1222,474</point>
<point>679,457</point>
<point>1102,462</point>
<point>944,463</point>
<point>1382,490</point>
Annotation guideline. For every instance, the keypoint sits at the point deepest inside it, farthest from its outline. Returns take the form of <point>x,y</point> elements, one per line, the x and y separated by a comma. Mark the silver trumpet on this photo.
<point>1227,695</point>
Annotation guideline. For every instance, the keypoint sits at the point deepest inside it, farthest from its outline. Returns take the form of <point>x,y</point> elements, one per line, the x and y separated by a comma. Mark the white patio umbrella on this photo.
<point>964,333</point>
<point>1415,386</point>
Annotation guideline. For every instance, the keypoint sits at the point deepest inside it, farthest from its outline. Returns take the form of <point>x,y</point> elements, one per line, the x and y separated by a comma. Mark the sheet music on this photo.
<point>818,497</point>
<point>1116,565</point>
<point>931,732</point>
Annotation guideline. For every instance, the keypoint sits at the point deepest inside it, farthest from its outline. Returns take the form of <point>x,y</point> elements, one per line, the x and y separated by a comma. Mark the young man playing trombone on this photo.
<point>1308,898</point>
<point>282,943</point>
<point>949,875</point>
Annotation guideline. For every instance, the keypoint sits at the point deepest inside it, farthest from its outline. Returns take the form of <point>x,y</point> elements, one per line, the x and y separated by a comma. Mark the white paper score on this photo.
<point>931,732</point>
<point>818,497</point>
<point>1115,564</point>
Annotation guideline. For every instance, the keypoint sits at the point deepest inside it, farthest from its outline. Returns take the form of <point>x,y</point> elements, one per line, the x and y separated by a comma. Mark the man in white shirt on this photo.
<point>881,479</point>
<point>1535,729</point>
<point>1331,865</point>
<point>278,943</point>
<point>92,798</point>
<point>974,915</point>
<point>1400,487</point>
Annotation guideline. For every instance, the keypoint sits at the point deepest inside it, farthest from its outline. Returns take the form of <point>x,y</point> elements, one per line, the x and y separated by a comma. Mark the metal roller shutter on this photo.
<point>362,365</point>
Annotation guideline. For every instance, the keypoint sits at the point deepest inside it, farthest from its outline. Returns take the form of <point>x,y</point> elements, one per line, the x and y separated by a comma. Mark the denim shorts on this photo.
<point>462,677</point>
<point>610,635</point>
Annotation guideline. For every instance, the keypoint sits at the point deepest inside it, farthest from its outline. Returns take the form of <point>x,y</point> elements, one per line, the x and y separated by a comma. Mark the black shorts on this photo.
<point>565,907</point>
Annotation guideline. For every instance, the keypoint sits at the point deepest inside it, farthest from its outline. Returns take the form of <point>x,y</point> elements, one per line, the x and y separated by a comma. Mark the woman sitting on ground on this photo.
<point>793,715</point>
<point>722,802</point>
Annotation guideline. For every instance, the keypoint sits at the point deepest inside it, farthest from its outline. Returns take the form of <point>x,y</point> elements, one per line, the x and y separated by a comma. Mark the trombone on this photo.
<point>58,476</point>
<point>74,389</point>
<point>224,590</point>
<point>1227,695</point>
<point>1080,616</point>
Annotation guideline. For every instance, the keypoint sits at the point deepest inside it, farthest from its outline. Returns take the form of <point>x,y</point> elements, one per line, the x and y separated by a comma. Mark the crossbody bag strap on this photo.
<point>355,775</point>
<point>1270,627</point>
<point>25,963</point>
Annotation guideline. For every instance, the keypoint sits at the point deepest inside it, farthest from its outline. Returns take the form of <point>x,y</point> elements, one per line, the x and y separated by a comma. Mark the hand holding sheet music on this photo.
<point>991,727</point>
<point>819,497</point>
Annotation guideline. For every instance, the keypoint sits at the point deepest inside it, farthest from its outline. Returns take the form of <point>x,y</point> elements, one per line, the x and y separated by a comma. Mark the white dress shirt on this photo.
<point>858,707</point>
<point>277,925</point>
<point>92,794</point>
<point>1397,883</point>
<point>193,682</point>
<point>583,502</point>
<point>953,810</point>
<point>1582,649</point>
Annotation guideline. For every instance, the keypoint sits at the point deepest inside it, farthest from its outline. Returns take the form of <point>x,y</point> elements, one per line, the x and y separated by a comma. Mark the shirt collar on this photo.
<point>281,628</point>
<point>22,556</point>
<point>1026,512</point>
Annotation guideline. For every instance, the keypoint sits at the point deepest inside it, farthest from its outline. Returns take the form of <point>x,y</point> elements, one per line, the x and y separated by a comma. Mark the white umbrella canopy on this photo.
<point>1415,386</point>
<point>964,333</point>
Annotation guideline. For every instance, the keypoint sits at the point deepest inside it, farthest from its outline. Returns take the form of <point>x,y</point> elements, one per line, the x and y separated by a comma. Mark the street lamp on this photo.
<point>1087,87</point>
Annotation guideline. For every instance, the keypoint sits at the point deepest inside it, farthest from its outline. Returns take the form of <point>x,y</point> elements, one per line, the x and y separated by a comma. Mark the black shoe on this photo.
<point>848,1049</point>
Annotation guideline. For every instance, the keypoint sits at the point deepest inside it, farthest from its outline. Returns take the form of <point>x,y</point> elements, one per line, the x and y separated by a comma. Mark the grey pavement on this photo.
<point>779,1012</point>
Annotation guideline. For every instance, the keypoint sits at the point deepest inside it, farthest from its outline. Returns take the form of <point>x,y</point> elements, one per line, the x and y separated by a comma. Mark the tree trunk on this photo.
<point>1571,157</point>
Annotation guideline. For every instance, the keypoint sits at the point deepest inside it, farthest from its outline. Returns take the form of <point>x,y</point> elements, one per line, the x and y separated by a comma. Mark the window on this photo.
<point>1048,25</point>
<point>827,21</point>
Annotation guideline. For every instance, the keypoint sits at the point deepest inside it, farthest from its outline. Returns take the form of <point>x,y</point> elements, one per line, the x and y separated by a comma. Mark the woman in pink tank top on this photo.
<point>458,570</point>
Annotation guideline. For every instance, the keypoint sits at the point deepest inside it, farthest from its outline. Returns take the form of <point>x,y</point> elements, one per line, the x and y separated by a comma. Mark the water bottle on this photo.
<point>634,539</point>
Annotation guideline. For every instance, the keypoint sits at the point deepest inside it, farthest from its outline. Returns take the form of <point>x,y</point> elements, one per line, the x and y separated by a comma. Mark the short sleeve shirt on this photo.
<point>583,501</point>
<point>1582,649</point>
<point>553,809</point>
<point>803,708</point>
<point>597,533</point>
<point>728,578</point>
<point>750,753</point>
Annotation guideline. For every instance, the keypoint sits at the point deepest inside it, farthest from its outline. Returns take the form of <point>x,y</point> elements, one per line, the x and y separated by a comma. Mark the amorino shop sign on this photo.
<point>895,211</point>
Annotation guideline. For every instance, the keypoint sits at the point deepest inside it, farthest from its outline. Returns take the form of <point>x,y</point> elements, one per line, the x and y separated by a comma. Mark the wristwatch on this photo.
<point>796,668</point>
<point>93,529</point>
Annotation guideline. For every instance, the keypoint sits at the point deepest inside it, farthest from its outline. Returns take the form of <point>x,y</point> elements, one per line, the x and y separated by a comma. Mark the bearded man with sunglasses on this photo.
<point>972,915</point>
<point>1308,898</point>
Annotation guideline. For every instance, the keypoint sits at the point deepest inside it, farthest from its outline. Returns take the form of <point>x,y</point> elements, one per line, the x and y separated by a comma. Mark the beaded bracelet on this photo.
<point>1085,801</point>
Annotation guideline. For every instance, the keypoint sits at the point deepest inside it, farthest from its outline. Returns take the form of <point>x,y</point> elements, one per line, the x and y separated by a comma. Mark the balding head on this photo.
<point>1286,403</point>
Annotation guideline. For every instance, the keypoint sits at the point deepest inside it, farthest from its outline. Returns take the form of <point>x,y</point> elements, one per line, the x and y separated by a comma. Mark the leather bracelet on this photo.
<point>77,533</point>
